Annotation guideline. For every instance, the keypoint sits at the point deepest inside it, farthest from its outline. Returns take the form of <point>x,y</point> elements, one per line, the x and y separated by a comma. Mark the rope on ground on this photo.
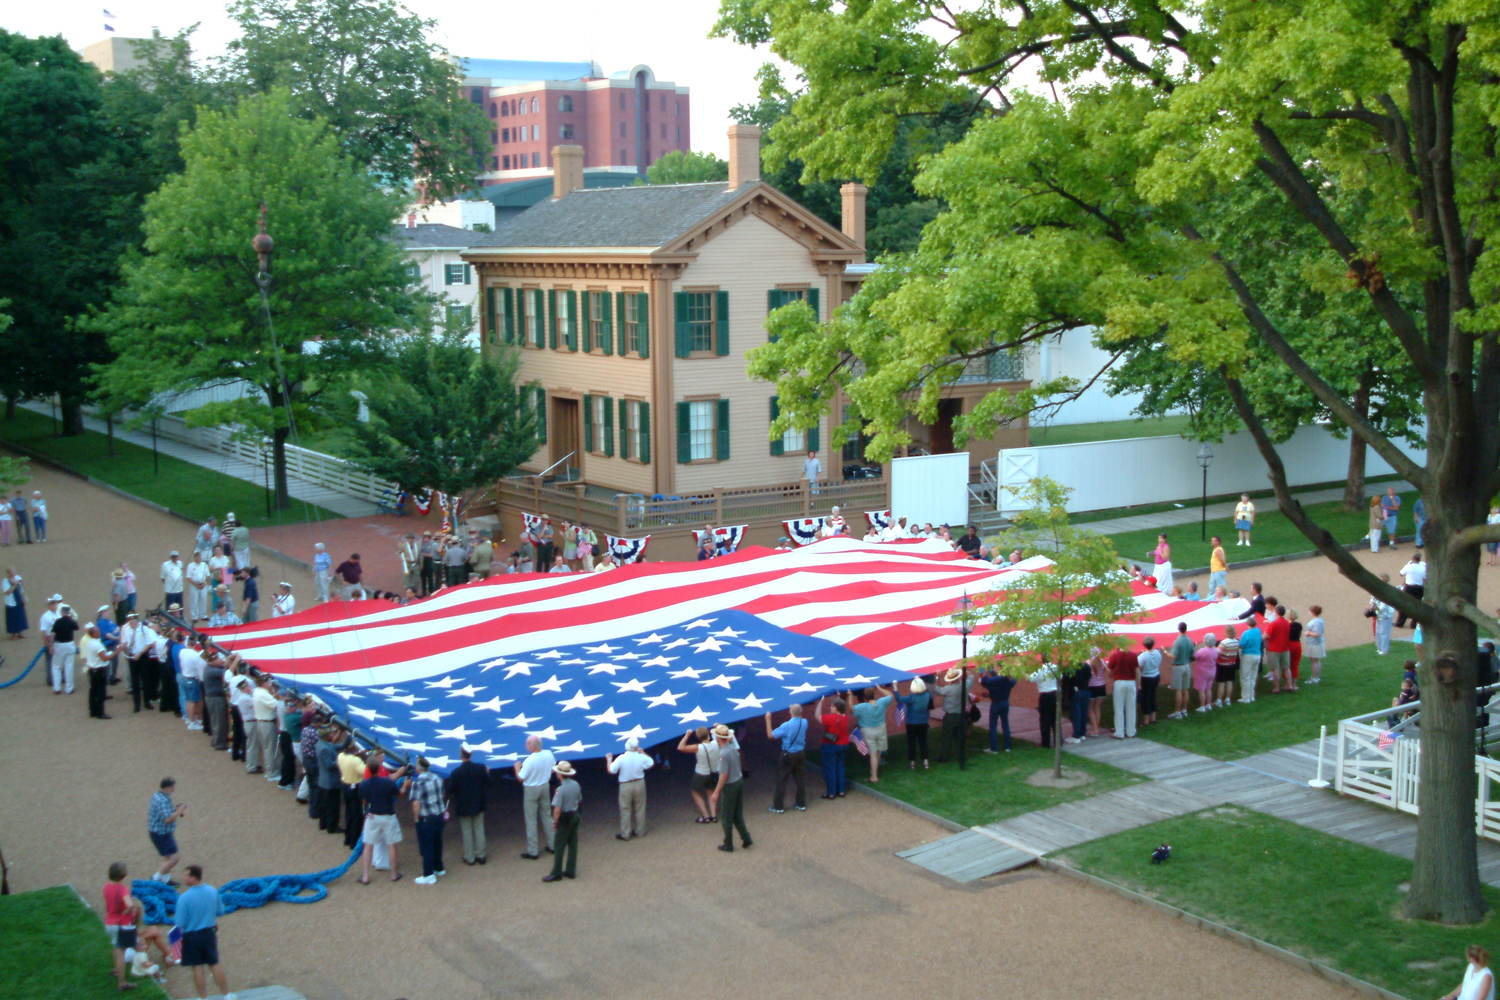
<point>18,680</point>
<point>160,899</point>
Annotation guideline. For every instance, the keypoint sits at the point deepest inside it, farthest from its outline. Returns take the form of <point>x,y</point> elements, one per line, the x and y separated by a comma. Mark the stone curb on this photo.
<point>946,824</point>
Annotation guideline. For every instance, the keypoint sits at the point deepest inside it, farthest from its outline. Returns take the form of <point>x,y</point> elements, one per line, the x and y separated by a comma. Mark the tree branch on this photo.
<point>1475,535</point>
<point>1115,49</point>
<point>1318,535</point>
<point>1463,609</point>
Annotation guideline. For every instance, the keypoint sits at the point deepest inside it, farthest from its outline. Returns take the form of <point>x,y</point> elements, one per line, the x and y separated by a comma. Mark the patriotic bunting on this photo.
<point>532,522</point>
<point>726,539</point>
<point>626,550</point>
<point>879,519</point>
<point>804,530</point>
<point>422,501</point>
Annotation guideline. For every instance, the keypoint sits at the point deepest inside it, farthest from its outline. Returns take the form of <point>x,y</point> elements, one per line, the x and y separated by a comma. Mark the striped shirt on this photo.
<point>159,817</point>
<point>427,792</point>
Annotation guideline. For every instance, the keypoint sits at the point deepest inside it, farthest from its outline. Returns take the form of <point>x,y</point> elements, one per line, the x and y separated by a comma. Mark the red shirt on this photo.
<point>1124,665</point>
<point>836,726</point>
<point>1278,635</point>
<point>115,912</point>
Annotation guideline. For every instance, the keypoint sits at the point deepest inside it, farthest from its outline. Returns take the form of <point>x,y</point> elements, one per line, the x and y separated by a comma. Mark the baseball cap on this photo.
<point>102,608</point>
<point>172,553</point>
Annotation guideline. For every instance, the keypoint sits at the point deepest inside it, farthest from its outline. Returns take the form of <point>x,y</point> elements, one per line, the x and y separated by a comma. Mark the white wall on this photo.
<point>931,488</point>
<point>1074,355</point>
<point>1133,471</point>
<point>458,214</point>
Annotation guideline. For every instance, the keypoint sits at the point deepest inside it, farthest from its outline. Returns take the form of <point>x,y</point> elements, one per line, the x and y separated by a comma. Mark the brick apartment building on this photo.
<point>625,122</point>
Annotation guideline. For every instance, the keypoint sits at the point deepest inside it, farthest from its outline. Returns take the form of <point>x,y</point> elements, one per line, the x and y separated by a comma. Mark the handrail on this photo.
<point>555,464</point>
<point>1416,706</point>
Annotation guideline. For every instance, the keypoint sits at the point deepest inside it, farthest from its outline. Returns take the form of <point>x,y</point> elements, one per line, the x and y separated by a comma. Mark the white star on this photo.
<point>580,700</point>
<point>418,747</point>
<point>608,717</point>
<point>498,662</point>
<point>780,675</point>
<point>520,720</point>
<point>708,644</point>
<point>696,715</point>
<point>795,660</point>
<point>342,692</point>
<point>857,679</point>
<point>665,698</point>
<point>759,644</point>
<point>487,747</point>
<point>389,731</point>
<point>571,663</point>
<point>804,688</point>
<point>739,661</point>
<point>647,640</point>
<point>493,705</point>
<point>687,672</point>
<point>518,668</point>
<point>366,713</point>
<point>439,761</point>
<point>406,699</point>
<point>675,643</point>
<point>387,691</point>
<point>750,702</point>
<point>659,661</point>
<point>731,633</point>
<point>577,746</point>
<point>432,716</point>
<point>606,668</point>
<point>549,655</point>
<point>446,682</point>
<point>505,756</point>
<point>821,670</point>
<point>634,684</point>
<point>465,692</point>
<point>627,656</point>
<point>459,733</point>
<point>605,648</point>
<point>720,681</point>
<point>553,683</point>
<point>548,734</point>
<point>637,733</point>
<point>700,623</point>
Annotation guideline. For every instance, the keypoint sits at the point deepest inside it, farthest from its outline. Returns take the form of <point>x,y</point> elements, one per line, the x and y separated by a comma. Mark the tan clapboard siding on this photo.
<point>747,260</point>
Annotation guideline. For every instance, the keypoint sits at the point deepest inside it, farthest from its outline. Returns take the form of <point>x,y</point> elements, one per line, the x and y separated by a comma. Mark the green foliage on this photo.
<point>445,418</point>
<point>14,472</point>
<point>680,167</point>
<point>394,100</point>
<point>189,313</point>
<point>52,948</point>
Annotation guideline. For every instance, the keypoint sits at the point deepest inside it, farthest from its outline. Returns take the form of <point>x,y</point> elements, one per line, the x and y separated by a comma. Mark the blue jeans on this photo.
<point>1421,522</point>
<point>999,716</point>
<point>430,843</point>
<point>41,527</point>
<point>1390,527</point>
<point>1215,580</point>
<point>1080,711</point>
<point>834,780</point>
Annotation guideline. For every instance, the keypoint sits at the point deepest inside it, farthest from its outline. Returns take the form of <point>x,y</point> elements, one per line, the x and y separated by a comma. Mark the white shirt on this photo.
<point>136,639</point>
<point>536,769</point>
<point>217,565</point>
<point>39,508</point>
<point>192,663</point>
<point>631,765</point>
<point>197,572</point>
<point>45,622</point>
<point>894,532</point>
<point>93,652</point>
<point>1044,681</point>
<point>812,469</point>
<point>242,700</point>
<point>284,604</point>
<point>265,705</point>
<point>1470,989</point>
<point>9,590</point>
<point>160,649</point>
<point>171,576</point>
<point>1414,573</point>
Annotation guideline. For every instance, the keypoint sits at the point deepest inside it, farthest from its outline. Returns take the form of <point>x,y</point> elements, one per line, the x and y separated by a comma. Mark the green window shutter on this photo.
<point>643,316</point>
<point>721,316</point>
<point>775,299</point>
<point>684,435</point>
<point>510,314</point>
<point>721,445</point>
<point>573,320</point>
<point>684,337</point>
<point>621,345</point>
<point>551,323</point>
<point>812,437</point>
<point>588,423</point>
<point>581,322</point>
<point>609,426</point>
<point>778,447</point>
<point>625,441</point>
<point>468,274</point>
<point>606,324</point>
<point>645,449</point>
<point>489,316</point>
<point>541,414</point>
<point>812,300</point>
<point>538,302</point>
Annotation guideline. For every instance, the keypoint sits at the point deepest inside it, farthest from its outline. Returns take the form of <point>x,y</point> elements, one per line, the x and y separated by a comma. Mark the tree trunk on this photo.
<point>71,408</point>
<point>283,499</point>
<point>10,406</point>
<point>1354,489</point>
<point>1445,884</point>
<point>109,429</point>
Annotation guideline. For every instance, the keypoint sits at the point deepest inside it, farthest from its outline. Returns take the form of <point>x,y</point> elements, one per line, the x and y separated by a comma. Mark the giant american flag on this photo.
<point>588,660</point>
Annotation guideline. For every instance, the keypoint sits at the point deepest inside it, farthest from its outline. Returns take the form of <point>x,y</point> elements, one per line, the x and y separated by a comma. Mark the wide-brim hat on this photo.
<point>565,769</point>
<point>102,608</point>
<point>174,607</point>
<point>118,574</point>
<point>722,732</point>
<point>953,674</point>
<point>222,586</point>
<point>54,599</point>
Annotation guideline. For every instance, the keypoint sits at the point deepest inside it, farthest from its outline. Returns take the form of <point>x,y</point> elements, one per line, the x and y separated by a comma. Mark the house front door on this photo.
<point>564,436</point>
<point>942,429</point>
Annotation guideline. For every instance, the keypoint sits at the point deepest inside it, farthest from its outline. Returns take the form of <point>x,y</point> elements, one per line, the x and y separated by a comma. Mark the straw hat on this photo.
<point>721,732</point>
<point>564,769</point>
<point>118,574</point>
<point>953,674</point>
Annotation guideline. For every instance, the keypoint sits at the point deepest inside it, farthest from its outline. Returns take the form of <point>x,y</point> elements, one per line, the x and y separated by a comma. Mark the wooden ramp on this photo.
<point>968,856</point>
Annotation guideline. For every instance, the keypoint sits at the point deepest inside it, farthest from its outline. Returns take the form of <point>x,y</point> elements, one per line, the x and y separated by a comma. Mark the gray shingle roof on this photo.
<point>432,235</point>
<point>645,216</point>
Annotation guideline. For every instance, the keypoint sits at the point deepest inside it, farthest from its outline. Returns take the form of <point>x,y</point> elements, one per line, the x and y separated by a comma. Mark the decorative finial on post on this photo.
<point>263,245</point>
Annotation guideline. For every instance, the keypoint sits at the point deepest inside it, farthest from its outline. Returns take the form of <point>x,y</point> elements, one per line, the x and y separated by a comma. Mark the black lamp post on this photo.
<point>1205,459</point>
<point>265,463</point>
<point>963,624</point>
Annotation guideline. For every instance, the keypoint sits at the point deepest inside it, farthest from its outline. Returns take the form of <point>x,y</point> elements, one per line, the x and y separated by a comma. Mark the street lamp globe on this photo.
<point>963,622</point>
<point>1205,455</point>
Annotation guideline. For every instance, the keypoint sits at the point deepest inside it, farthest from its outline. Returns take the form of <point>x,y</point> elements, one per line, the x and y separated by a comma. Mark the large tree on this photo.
<point>445,418</point>
<point>686,167</point>
<point>189,312</point>
<point>394,100</point>
<point>1376,128</point>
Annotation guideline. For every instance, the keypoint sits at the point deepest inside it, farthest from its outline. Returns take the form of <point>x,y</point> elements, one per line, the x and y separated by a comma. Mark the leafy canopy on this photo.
<point>685,167</point>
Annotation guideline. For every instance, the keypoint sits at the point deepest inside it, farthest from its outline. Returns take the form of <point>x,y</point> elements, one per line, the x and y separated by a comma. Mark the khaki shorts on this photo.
<point>1182,676</point>
<point>875,738</point>
<point>704,782</point>
<point>382,830</point>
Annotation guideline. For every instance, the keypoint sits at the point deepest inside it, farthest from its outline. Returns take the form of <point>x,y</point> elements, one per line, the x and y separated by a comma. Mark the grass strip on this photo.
<point>52,947</point>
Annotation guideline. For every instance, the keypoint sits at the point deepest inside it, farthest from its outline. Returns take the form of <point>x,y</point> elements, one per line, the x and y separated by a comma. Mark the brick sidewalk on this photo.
<point>374,538</point>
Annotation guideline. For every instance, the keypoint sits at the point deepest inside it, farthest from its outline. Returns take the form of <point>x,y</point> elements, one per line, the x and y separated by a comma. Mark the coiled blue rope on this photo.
<point>18,680</point>
<point>160,899</point>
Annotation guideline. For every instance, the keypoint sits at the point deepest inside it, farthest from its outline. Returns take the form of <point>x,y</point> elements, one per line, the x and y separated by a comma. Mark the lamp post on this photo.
<point>265,463</point>
<point>1205,459</point>
<point>963,624</point>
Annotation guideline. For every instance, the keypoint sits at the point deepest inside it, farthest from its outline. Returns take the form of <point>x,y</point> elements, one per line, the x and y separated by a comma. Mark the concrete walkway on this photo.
<point>330,500</point>
<point>1219,512</point>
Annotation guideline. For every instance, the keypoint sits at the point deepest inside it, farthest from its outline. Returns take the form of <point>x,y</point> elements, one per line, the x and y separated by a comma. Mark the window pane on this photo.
<point>794,439</point>
<point>632,323</point>
<point>701,321</point>
<point>701,429</point>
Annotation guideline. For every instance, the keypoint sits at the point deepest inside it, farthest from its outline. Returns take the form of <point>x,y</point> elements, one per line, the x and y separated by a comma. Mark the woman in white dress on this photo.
<point>1162,564</point>
<point>285,603</point>
<point>1313,649</point>
<point>1479,981</point>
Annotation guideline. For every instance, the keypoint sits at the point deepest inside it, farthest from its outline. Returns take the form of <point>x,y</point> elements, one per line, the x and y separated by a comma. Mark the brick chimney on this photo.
<point>853,217</point>
<point>744,155</point>
<point>567,169</point>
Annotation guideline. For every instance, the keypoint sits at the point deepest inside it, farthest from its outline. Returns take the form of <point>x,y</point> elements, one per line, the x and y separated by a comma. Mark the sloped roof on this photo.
<point>643,216</point>
<point>505,72</point>
<point>431,235</point>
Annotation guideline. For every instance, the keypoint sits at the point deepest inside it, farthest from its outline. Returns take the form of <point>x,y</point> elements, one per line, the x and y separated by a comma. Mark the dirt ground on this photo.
<point>812,904</point>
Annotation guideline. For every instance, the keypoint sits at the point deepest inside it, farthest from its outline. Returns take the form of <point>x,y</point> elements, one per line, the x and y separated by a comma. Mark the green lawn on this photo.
<point>1274,535</point>
<point>1109,430</point>
<point>1327,899</point>
<point>186,488</point>
<point>993,786</point>
<point>1193,503</point>
<point>52,947</point>
<point>331,440</point>
<point>1355,680</point>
